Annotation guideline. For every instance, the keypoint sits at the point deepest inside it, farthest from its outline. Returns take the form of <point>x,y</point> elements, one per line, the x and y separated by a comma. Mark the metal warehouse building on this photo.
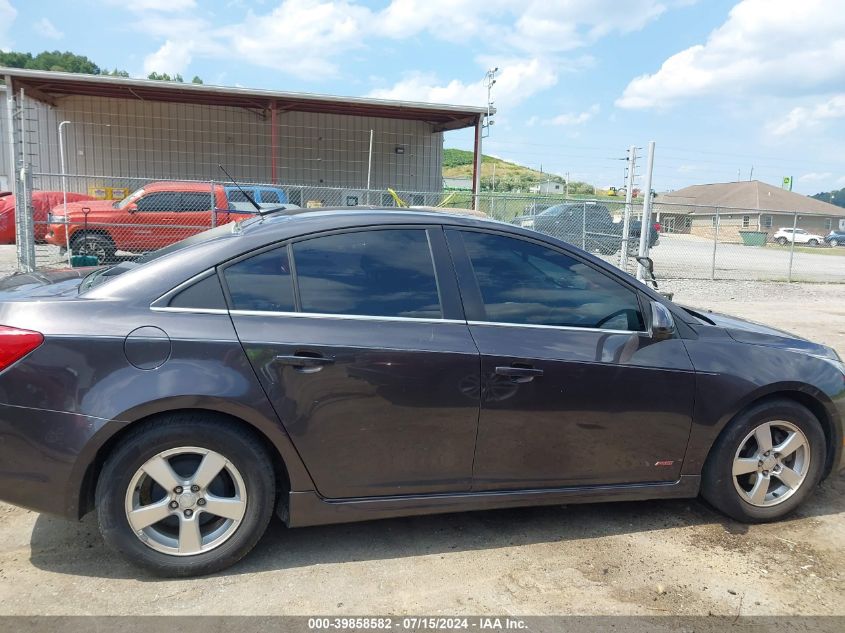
<point>120,132</point>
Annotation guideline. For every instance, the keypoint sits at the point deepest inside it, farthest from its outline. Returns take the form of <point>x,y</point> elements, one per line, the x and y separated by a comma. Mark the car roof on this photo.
<point>294,221</point>
<point>171,185</point>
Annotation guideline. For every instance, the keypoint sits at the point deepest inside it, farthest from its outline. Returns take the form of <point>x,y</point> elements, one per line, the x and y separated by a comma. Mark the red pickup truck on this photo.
<point>154,216</point>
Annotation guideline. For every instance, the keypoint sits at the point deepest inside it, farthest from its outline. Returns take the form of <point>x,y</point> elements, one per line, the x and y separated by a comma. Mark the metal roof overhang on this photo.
<point>50,87</point>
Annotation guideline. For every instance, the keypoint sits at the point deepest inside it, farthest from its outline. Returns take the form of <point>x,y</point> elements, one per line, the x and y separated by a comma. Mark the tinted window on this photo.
<point>237,196</point>
<point>522,282</point>
<point>270,196</point>
<point>164,201</point>
<point>205,293</point>
<point>374,273</point>
<point>196,201</point>
<point>262,282</point>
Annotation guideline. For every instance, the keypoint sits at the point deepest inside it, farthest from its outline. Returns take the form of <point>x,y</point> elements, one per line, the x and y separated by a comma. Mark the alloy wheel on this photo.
<point>186,501</point>
<point>95,247</point>
<point>771,463</point>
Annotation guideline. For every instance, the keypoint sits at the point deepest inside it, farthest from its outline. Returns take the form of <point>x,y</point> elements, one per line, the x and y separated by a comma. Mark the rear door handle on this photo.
<point>306,364</point>
<point>519,374</point>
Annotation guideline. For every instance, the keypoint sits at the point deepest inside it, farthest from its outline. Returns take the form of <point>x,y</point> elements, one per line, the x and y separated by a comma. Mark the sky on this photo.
<point>721,86</point>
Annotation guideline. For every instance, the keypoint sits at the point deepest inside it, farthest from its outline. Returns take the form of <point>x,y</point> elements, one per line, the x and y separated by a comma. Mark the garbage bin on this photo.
<point>754,238</point>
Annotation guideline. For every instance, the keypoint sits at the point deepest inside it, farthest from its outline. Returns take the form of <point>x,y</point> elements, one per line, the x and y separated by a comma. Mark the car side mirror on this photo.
<point>648,265</point>
<point>662,322</point>
<point>132,208</point>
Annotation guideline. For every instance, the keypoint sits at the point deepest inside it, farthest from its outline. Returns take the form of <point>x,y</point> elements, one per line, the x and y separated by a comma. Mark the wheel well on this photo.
<point>815,407</point>
<point>92,473</point>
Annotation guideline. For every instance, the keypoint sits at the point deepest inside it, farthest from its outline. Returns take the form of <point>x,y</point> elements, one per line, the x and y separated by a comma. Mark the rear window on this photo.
<point>262,282</point>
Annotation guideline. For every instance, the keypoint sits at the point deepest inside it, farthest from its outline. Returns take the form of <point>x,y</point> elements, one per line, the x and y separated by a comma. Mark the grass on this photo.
<point>815,250</point>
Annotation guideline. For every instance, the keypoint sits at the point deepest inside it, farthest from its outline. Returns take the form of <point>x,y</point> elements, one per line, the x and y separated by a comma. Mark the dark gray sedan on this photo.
<point>348,365</point>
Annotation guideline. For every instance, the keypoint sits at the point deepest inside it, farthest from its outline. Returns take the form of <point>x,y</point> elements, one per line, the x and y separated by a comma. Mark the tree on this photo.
<point>115,73</point>
<point>165,77</point>
<point>50,60</point>
<point>196,80</point>
<point>836,197</point>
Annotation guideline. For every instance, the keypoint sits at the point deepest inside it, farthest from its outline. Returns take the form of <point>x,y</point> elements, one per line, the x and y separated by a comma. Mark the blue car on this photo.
<point>835,238</point>
<point>265,197</point>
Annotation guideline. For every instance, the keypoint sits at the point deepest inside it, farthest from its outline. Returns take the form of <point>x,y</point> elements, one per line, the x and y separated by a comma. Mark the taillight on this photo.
<point>16,343</point>
<point>657,226</point>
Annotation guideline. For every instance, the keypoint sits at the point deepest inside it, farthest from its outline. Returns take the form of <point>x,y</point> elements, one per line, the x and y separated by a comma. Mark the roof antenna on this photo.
<point>235,182</point>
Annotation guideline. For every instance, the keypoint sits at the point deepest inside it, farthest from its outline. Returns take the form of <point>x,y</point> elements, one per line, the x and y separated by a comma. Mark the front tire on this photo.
<point>186,495</point>
<point>834,242</point>
<point>95,244</point>
<point>813,242</point>
<point>765,463</point>
<point>782,241</point>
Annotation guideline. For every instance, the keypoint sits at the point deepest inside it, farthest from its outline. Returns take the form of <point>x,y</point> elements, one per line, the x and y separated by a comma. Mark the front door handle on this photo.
<point>519,374</point>
<point>306,364</point>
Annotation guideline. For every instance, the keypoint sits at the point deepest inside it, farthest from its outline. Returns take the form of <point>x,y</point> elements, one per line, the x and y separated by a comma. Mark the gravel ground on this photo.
<point>649,558</point>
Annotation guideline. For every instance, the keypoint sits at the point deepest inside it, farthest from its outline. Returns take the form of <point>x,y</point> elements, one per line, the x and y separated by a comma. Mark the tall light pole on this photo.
<point>489,81</point>
<point>645,224</point>
<point>64,186</point>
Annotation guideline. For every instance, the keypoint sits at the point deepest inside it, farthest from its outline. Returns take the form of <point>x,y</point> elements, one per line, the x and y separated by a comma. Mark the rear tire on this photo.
<point>160,492</point>
<point>834,242</point>
<point>752,486</point>
<point>813,242</point>
<point>782,241</point>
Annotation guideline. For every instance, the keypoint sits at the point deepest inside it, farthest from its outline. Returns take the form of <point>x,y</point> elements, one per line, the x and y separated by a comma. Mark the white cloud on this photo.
<point>165,6</point>
<point>804,118</point>
<point>815,176</point>
<point>323,31</point>
<point>172,58</point>
<point>517,81</point>
<point>576,118</point>
<point>308,38</point>
<point>48,29</point>
<point>7,16</point>
<point>764,47</point>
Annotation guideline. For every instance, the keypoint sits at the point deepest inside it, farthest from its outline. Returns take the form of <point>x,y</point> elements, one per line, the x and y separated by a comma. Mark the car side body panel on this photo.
<point>62,403</point>
<point>732,376</point>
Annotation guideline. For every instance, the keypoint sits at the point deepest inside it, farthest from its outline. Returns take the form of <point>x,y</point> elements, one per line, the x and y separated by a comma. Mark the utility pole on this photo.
<point>645,225</point>
<point>567,185</point>
<point>629,196</point>
<point>489,81</point>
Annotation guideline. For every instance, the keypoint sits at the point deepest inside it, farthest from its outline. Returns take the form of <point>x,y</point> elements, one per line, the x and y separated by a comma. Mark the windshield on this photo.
<point>132,197</point>
<point>102,275</point>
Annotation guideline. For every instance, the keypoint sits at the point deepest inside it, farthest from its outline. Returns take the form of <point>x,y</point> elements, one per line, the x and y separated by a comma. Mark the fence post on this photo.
<point>369,168</point>
<point>792,246</point>
<point>213,206</point>
<point>715,241</point>
<point>584,228</point>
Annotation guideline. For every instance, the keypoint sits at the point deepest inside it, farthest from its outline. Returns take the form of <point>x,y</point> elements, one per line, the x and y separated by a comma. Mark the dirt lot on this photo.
<point>647,558</point>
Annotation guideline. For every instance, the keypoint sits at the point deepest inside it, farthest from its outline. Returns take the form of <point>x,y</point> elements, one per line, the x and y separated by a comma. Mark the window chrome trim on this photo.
<point>189,310</point>
<point>567,328</point>
<point>160,304</point>
<point>342,317</point>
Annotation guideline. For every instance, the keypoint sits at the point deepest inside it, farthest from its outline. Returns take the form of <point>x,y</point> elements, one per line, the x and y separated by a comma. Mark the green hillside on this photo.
<point>457,163</point>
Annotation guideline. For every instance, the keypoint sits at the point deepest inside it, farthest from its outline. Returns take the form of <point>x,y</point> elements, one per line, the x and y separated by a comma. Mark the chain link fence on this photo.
<point>121,218</point>
<point>115,178</point>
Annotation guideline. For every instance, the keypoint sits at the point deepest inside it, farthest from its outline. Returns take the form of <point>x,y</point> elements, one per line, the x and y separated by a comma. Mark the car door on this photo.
<point>151,224</point>
<point>574,391</point>
<point>194,214</point>
<point>359,341</point>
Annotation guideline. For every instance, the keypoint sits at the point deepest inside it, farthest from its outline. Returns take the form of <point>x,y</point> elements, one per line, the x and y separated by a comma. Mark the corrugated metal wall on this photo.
<point>118,139</point>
